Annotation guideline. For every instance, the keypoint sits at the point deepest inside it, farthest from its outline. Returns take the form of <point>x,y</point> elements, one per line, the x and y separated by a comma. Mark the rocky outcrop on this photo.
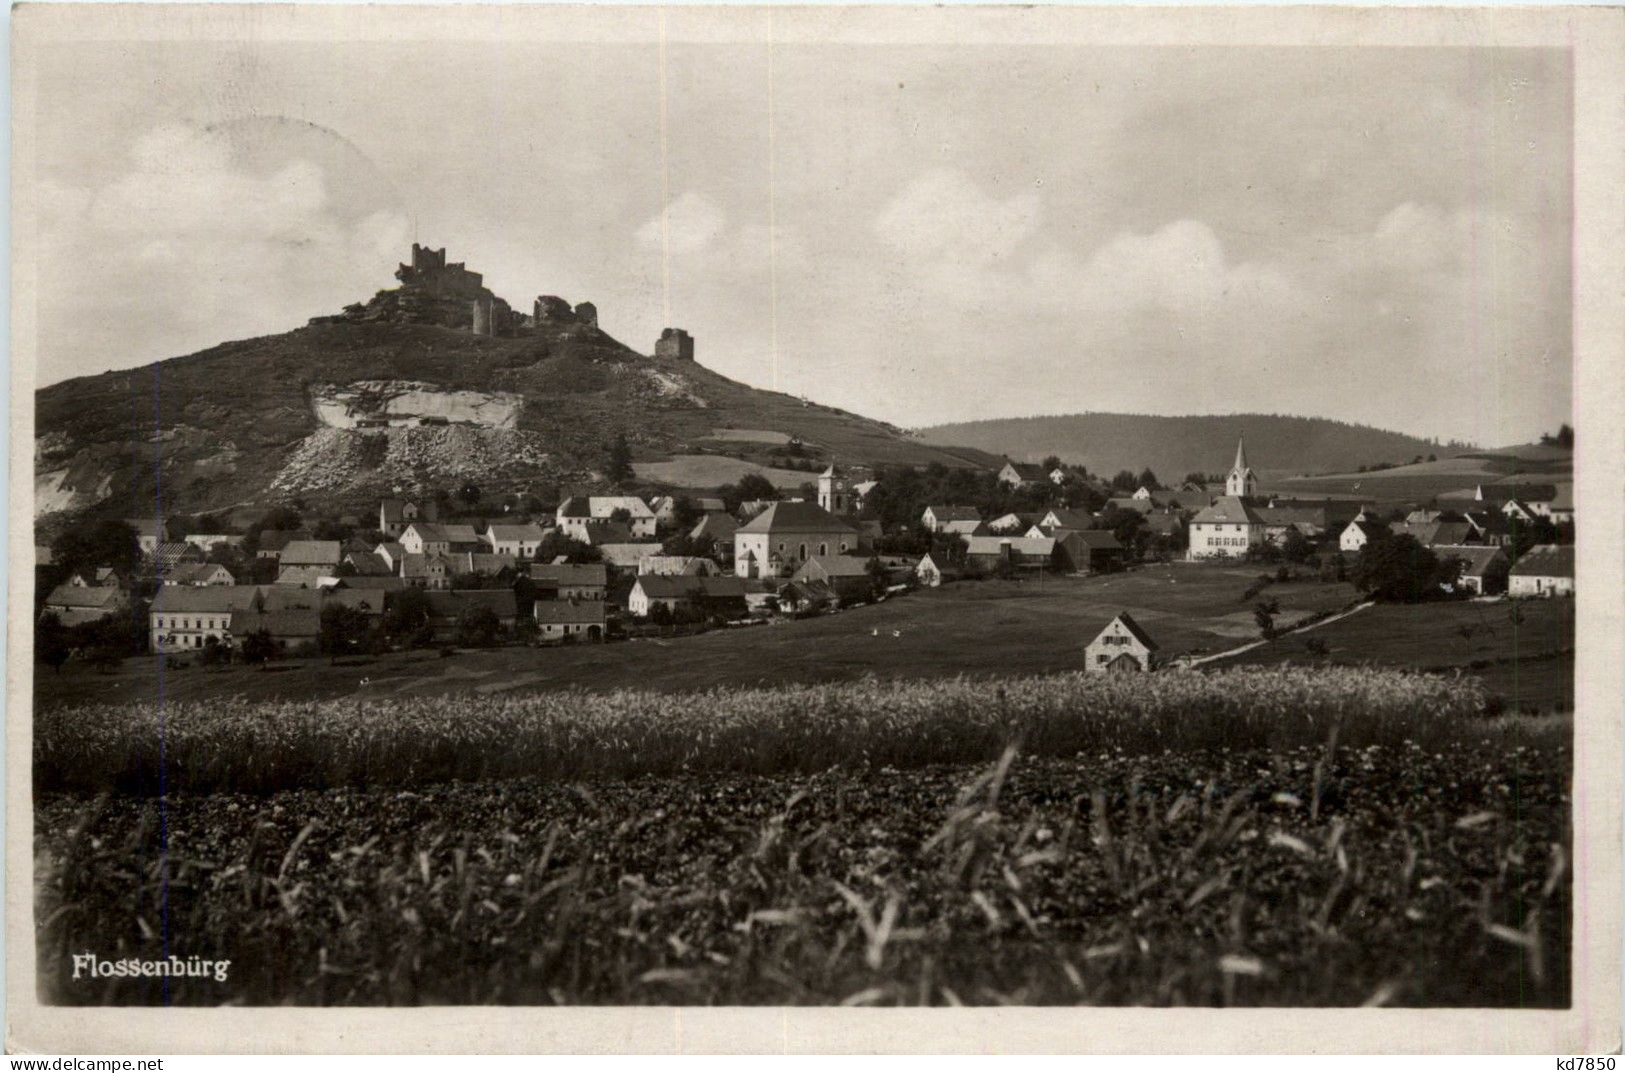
<point>401,403</point>
<point>345,460</point>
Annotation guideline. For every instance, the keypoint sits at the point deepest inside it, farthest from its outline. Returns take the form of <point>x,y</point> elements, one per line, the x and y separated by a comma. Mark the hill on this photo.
<point>1175,446</point>
<point>1503,473</point>
<point>400,393</point>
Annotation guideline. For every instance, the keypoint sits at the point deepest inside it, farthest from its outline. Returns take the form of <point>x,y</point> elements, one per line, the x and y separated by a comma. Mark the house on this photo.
<point>1310,522</point>
<point>1518,510</point>
<point>1122,647</point>
<point>1544,570</point>
<point>676,566</point>
<point>711,504</point>
<point>366,564</point>
<point>1087,551</point>
<point>205,541</point>
<point>323,553</point>
<point>1058,475</point>
<point>289,628</point>
<point>370,602</point>
<point>448,606</point>
<point>1139,506</point>
<point>652,591</point>
<point>932,573</point>
<point>1063,518</point>
<point>861,491</point>
<point>1014,522</point>
<point>1023,553</point>
<point>1163,525</point>
<point>1226,530</point>
<point>76,605</point>
<point>1022,474</point>
<point>577,512</point>
<point>787,534</point>
<point>519,541</point>
<point>947,518</point>
<point>1357,534</point>
<point>664,509</point>
<point>199,574</point>
<point>186,617</point>
<point>796,598</point>
<point>597,534</point>
<point>1431,533</point>
<point>1489,527</point>
<point>845,575</point>
<point>1561,508</point>
<point>168,555</point>
<point>102,577</point>
<point>717,527</point>
<point>394,515</point>
<point>428,571</point>
<point>149,533</point>
<point>307,577</point>
<point>570,620</point>
<point>1483,568</point>
<point>428,538</point>
<point>370,583</point>
<point>570,581</point>
<point>391,552</point>
<point>272,541</point>
<point>625,557</point>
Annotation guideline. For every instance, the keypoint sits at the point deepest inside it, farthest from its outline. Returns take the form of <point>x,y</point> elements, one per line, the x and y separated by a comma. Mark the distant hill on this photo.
<point>1502,473</point>
<point>1175,446</point>
<point>399,394</point>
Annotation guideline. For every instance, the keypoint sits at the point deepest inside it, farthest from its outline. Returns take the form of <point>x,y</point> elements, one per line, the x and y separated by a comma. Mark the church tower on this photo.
<point>1240,481</point>
<point>833,494</point>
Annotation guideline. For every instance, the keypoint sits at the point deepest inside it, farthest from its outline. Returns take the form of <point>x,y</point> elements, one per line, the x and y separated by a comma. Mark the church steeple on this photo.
<point>1240,481</point>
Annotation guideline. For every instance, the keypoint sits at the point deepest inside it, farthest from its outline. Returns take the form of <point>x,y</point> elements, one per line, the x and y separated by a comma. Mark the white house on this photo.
<point>787,534</point>
<point>520,541</point>
<point>432,538</point>
<point>1225,530</point>
<point>1544,570</point>
<point>1121,647</point>
<point>946,518</point>
<point>1356,535</point>
<point>578,512</point>
<point>1022,474</point>
<point>1483,568</point>
<point>932,573</point>
<point>185,617</point>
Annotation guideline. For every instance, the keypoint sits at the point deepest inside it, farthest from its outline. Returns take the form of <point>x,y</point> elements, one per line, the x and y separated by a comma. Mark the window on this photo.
<point>1102,658</point>
<point>823,549</point>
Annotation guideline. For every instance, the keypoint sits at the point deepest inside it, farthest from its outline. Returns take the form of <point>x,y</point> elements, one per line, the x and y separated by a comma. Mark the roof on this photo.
<point>571,574</point>
<point>1229,510</point>
<point>993,545</point>
<point>193,573</point>
<point>569,612</point>
<point>789,516</point>
<point>717,526</point>
<point>575,507</point>
<point>373,583</point>
<point>311,552</point>
<point>667,586</point>
<point>1476,558</point>
<point>627,555</point>
<point>456,562</point>
<point>438,532</point>
<point>836,566</point>
<point>1028,471</point>
<point>394,509</point>
<point>1546,560</point>
<point>1133,628</point>
<point>710,503</point>
<point>169,553</point>
<point>207,598</point>
<point>607,533</point>
<point>1071,519</point>
<point>950,513</point>
<point>1315,516</point>
<point>1093,539</point>
<point>293,622</point>
<point>391,548</point>
<point>145,527</point>
<point>368,563</point>
<point>1371,530</point>
<point>277,539</point>
<point>449,603</point>
<point>528,531</point>
<point>85,597</point>
<point>1564,499</point>
<point>305,576</point>
<point>606,505</point>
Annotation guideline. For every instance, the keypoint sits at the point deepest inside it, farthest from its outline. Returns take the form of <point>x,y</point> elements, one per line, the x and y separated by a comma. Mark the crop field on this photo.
<point>1387,874</point>
<point>712,471</point>
<point>978,628</point>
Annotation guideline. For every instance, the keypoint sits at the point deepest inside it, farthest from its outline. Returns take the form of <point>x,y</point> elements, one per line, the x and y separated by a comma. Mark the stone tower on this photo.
<point>1241,481</point>
<point>587,313</point>
<point>484,317</point>
<point>675,344</point>
<point>833,493</point>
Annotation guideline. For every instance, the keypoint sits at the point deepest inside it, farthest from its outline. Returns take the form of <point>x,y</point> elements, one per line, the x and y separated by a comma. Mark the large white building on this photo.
<point>1225,530</point>
<point>777,541</point>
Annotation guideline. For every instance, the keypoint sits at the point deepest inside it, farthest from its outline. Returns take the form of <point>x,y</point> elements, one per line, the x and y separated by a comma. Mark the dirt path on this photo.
<point>1249,646</point>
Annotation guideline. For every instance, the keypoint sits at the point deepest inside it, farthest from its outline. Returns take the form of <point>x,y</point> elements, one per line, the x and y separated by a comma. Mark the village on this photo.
<point>451,572</point>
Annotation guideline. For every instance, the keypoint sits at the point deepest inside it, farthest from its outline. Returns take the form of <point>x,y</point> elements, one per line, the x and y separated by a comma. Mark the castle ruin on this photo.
<point>674,344</point>
<point>430,272</point>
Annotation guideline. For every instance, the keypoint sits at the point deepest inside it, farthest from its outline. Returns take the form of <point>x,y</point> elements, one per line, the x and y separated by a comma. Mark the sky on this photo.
<point>921,233</point>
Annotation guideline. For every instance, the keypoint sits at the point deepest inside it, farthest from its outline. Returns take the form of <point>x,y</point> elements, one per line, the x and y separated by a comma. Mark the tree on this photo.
<point>877,575</point>
<point>478,627</point>
<point>51,642</point>
<point>407,613</point>
<point>622,515</point>
<point>1149,480</point>
<point>469,493</point>
<point>618,466</point>
<point>1125,481</point>
<point>1397,568</point>
<point>756,486</point>
<point>1296,548</point>
<point>1264,612</point>
<point>342,629</point>
<point>685,513</point>
<point>1052,463</point>
<point>556,543</point>
<point>258,647</point>
<point>104,543</point>
<point>1522,535</point>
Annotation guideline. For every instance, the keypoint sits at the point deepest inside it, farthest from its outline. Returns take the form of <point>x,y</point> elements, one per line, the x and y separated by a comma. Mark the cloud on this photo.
<point>690,224</point>
<point>944,214</point>
<point>189,240</point>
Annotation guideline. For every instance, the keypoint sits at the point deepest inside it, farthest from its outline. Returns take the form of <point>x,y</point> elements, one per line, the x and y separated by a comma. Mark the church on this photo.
<point>1229,527</point>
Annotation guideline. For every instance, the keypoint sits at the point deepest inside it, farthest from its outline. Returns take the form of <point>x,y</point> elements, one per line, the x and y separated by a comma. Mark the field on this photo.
<point>713,471</point>
<point>1528,660</point>
<point>982,628</point>
<point>1263,836</point>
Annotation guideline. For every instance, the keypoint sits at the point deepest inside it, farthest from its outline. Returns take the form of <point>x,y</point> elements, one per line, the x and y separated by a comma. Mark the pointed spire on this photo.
<point>1241,455</point>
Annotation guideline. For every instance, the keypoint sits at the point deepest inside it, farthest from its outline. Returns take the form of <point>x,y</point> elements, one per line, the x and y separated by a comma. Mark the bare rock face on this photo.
<point>406,403</point>
<point>332,460</point>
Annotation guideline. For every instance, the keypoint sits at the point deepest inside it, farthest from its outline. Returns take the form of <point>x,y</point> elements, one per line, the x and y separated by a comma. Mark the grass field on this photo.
<point>971,628</point>
<point>1388,875</point>
<point>1530,663</point>
<point>713,471</point>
